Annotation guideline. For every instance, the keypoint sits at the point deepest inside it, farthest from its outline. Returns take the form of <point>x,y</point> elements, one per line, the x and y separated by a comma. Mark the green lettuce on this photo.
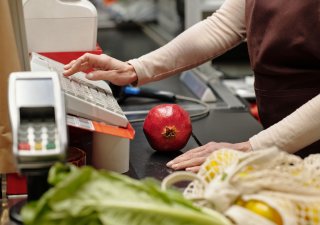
<point>85,196</point>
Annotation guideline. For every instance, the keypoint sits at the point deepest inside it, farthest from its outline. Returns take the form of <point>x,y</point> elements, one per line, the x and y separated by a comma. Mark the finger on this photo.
<point>83,63</point>
<point>84,67</point>
<point>195,150</point>
<point>178,159</point>
<point>189,163</point>
<point>194,169</point>
<point>100,75</point>
<point>97,61</point>
<point>67,66</point>
<point>111,76</point>
<point>191,151</point>
<point>203,153</point>
<point>188,155</point>
<point>201,148</point>
<point>72,68</point>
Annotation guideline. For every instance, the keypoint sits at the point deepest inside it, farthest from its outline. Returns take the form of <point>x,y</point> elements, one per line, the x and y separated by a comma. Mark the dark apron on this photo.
<point>283,38</point>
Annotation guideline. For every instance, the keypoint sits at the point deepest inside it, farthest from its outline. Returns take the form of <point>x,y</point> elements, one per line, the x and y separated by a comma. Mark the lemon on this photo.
<point>262,209</point>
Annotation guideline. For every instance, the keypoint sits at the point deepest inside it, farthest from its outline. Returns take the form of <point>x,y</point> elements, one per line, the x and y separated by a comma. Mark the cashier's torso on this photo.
<point>283,42</point>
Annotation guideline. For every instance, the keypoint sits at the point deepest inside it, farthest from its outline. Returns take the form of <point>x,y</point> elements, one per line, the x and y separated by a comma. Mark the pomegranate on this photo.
<point>167,127</point>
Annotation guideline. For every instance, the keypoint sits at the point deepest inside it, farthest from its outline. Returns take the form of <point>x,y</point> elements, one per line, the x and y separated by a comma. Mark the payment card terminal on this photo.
<point>38,119</point>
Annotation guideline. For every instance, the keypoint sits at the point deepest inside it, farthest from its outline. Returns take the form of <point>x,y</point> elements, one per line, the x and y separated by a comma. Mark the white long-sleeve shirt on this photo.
<point>210,38</point>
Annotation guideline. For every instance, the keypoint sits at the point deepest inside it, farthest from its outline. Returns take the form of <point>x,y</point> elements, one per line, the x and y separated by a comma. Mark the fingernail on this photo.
<point>169,163</point>
<point>89,76</point>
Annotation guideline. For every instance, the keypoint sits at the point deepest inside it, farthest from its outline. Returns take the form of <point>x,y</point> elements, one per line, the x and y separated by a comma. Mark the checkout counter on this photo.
<point>223,124</point>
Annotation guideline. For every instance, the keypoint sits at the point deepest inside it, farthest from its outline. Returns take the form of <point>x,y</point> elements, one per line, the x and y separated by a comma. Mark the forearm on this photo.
<point>198,44</point>
<point>294,132</point>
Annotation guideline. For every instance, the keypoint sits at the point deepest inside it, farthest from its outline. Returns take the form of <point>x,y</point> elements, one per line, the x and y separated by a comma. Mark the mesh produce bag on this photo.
<point>261,187</point>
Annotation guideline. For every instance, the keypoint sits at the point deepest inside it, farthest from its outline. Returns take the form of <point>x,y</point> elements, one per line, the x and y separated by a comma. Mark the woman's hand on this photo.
<point>192,159</point>
<point>104,68</point>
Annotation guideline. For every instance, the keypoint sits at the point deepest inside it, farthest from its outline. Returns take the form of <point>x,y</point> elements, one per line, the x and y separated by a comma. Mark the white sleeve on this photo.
<point>298,130</point>
<point>207,39</point>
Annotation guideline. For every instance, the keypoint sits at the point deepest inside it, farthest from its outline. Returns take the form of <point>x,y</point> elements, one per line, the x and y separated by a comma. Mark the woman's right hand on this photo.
<point>104,68</point>
<point>194,158</point>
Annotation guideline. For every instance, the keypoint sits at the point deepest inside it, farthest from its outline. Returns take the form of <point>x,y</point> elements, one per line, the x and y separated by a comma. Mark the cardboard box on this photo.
<point>10,62</point>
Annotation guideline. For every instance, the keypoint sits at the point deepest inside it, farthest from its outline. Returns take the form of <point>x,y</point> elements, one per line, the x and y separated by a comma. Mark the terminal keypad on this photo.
<point>36,135</point>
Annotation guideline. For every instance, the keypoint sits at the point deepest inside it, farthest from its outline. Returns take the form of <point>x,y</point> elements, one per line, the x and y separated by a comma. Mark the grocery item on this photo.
<point>86,196</point>
<point>268,187</point>
<point>167,127</point>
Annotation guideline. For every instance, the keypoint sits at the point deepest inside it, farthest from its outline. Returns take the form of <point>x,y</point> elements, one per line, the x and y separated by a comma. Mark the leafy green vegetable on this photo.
<point>85,196</point>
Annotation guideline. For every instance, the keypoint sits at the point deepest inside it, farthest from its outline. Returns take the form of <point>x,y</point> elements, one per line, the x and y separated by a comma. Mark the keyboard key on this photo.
<point>38,146</point>
<point>51,145</point>
<point>23,146</point>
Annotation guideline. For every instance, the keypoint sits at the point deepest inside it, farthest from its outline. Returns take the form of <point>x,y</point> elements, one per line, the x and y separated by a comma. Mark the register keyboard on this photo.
<point>84,98</point>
